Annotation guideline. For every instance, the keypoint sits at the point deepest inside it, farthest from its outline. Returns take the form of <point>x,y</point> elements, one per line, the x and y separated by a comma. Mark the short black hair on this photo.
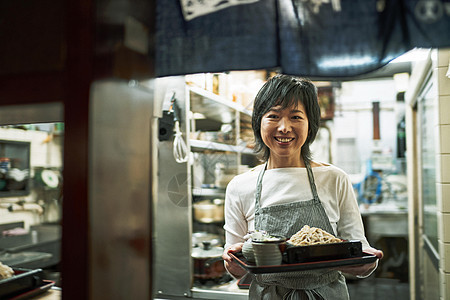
<point>286,91</point>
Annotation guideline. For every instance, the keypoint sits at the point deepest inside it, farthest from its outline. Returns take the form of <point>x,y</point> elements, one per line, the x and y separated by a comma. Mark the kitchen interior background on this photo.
<point>362,132</point>
<point>375,158</point>
<point>31,196</point>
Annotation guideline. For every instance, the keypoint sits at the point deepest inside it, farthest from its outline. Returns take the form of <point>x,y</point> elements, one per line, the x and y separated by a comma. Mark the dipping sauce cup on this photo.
<point>269,251</point>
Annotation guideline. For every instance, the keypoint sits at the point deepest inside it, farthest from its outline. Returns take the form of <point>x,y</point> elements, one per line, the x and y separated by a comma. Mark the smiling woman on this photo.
<point>281,195</point>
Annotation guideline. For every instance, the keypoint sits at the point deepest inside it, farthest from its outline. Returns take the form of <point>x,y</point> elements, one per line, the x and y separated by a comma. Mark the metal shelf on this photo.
<point>216,107</point>
<point>200,146</point>
<point>208,192</point>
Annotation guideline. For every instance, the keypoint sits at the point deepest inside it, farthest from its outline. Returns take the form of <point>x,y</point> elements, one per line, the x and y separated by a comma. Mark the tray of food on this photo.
<point>310,248</point>
<point>14,282</point>
<point>40,289</point>
<point>314,244</point>
<point>305,266</point>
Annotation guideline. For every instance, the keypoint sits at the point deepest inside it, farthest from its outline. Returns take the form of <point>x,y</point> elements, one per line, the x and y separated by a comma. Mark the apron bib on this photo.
<point>286,219</point>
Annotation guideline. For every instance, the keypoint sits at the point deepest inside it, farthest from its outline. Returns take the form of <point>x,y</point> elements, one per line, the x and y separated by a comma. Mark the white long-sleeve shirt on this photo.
<point>285,185</point>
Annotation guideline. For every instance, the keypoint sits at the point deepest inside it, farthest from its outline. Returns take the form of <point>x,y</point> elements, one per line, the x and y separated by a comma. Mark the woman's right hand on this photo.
<point>233,267</point>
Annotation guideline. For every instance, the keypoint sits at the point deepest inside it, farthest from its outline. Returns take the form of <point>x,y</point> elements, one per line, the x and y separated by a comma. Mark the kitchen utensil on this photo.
<point>209,211</point>
<point>208,263</point>
<point>50,178</point>
<point>180,151</point>
<point>199,237</point>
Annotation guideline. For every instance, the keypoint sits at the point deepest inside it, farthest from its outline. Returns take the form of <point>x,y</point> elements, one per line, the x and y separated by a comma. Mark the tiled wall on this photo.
<point>443,176</point>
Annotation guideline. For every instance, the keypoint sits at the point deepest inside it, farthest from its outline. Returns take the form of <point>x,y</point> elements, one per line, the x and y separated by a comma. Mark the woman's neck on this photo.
<point>274,163</point>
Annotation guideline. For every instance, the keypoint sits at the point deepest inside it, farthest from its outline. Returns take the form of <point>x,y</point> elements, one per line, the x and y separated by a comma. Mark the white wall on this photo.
<point>353,117</point>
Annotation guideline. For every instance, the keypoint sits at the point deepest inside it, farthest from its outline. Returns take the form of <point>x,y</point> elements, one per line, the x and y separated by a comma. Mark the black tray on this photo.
<point>322,252</point>
<point>22,281</point>
<point>245,281</point>
<point>252,268</point>
<point>42,288</point>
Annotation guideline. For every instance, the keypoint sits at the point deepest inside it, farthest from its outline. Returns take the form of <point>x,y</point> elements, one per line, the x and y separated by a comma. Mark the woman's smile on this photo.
<point>284,140</point>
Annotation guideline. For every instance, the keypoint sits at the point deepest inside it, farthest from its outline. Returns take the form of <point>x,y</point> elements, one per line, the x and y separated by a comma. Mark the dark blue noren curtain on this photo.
<point>298,36</point>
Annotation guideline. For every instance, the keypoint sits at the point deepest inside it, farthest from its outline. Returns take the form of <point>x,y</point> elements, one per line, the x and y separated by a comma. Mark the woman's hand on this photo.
<point>233,267</point>
<point>366,269</point>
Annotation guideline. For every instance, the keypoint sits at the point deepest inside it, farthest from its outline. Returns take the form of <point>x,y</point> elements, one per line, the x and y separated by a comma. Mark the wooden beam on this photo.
<point>32,88</point>
<point>75,237</point>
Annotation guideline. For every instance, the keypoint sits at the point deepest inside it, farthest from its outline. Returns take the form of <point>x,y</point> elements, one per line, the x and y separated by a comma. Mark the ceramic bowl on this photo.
<point>269,252</point>
<point>247,251</point>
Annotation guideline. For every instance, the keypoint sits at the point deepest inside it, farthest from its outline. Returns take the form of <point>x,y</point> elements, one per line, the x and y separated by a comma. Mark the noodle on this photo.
<point>5,271</point>
<point>312,236</point>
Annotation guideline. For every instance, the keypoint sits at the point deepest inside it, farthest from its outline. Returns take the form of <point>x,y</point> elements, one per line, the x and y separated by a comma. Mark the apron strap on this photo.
<point>311,180</point>
<point>258,189</point>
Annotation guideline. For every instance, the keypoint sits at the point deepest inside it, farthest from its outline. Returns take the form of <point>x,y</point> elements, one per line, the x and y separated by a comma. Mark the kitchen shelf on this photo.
<point>216,107</point>
<point>208,192</point>
<point>199,146</point>
<point>16,154</point>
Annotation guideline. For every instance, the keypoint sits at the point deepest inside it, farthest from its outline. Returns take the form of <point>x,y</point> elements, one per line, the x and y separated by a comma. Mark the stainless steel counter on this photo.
<point>387,229</point>
<point>384,208</point>
<point>38,249</point>
<point>385,220</point>
<point>229,290</point>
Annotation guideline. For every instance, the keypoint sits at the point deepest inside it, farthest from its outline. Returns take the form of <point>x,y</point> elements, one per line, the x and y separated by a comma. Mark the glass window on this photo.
<point>427,127</point>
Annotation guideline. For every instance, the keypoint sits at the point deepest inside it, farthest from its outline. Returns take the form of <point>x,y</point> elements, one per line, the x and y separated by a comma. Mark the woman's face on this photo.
<point>285,131</point>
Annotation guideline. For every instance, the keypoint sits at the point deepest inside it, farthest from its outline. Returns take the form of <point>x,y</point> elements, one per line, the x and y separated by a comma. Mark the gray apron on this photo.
<point>286,219</point>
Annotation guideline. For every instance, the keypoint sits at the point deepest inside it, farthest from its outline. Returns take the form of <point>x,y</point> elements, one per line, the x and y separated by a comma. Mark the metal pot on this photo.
<point>209,211</point>
<point>208,263</point>
<point>199,237</point>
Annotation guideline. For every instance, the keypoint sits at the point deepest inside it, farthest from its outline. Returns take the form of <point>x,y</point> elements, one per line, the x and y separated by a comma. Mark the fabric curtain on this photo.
<point>315,38</point>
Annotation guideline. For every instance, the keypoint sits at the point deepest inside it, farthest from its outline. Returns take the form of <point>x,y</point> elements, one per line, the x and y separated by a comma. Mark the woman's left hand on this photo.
<point>366,269</point>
